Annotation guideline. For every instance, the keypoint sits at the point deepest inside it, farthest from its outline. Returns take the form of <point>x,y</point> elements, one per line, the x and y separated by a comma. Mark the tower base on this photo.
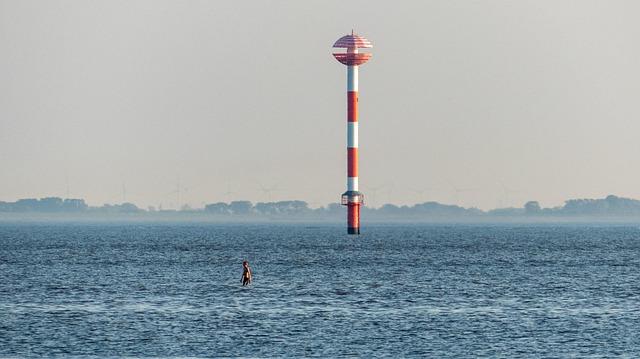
<point>353,200</point>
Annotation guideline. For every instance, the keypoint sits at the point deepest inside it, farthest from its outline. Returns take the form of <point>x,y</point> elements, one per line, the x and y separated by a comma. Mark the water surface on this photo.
<point>418,290</point>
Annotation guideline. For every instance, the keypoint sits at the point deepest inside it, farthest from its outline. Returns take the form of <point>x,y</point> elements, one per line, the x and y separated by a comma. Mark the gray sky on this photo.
<point>504,100</point>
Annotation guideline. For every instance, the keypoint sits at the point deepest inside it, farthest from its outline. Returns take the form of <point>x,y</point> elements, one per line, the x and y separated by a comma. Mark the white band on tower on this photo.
<point>352,135</point>
<point>352,183</point>
<point>352,78</point>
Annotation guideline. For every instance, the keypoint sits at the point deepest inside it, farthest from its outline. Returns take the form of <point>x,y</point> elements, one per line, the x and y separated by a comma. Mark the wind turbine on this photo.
<point>457,190</point>
<point>121,194</point>
<point>374,192</point>
<point>507,192</point>
<point>269,190</point>
<point>66,180</point>
<point>421,192</point>
<point>391,186</point>
<point>228,193</point>
<point>179,191</point>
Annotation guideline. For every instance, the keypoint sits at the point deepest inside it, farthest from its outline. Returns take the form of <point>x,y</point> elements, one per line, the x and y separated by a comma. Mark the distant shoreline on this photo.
<point>611,209</point>
<point>239,220</point>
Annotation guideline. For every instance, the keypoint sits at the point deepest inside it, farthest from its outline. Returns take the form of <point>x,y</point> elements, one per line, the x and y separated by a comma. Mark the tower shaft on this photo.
<point>353,196</point>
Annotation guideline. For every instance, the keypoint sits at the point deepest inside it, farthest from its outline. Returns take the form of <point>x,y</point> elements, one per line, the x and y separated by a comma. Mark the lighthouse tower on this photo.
<point>352,58</point>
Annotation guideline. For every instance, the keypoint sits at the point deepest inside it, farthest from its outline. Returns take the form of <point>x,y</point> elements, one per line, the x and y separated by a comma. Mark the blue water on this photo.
<point>426,290</point>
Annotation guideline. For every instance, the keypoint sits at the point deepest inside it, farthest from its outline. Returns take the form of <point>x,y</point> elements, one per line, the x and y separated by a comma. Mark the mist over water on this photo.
<point>435,290</point>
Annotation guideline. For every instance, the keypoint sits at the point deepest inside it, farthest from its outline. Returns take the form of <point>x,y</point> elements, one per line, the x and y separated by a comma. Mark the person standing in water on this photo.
<point>246,273</point>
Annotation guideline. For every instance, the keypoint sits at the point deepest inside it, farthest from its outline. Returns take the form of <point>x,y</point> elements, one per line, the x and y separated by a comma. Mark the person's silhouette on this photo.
<point>246,273</point>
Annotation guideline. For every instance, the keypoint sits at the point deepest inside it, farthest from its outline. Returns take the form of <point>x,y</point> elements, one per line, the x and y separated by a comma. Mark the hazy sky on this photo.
<point>504,100</point>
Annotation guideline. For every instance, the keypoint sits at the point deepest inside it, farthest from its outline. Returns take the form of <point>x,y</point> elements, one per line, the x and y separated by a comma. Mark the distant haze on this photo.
<point>484,103</point>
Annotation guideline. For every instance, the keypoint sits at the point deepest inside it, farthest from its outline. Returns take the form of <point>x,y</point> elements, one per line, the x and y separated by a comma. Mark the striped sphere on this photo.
<point>352,42</point>
<point>351,59</point>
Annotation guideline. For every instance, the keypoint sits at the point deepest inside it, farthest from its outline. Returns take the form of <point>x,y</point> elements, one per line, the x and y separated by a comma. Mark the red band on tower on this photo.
<point>352,106</point>
<point>353,218</point>
<point>352,162</point>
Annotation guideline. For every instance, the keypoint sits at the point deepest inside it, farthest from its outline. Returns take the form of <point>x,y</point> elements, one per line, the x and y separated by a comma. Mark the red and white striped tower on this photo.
<point>352,198</point>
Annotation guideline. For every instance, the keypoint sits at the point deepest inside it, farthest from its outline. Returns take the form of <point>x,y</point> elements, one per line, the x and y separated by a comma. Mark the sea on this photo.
<point>399,290</point>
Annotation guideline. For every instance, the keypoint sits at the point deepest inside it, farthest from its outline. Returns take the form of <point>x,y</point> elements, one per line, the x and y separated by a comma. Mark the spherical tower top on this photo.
<point>352,43</point>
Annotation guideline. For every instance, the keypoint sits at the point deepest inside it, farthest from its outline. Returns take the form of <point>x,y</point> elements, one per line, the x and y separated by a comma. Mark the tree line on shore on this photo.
<point>604,207</point>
